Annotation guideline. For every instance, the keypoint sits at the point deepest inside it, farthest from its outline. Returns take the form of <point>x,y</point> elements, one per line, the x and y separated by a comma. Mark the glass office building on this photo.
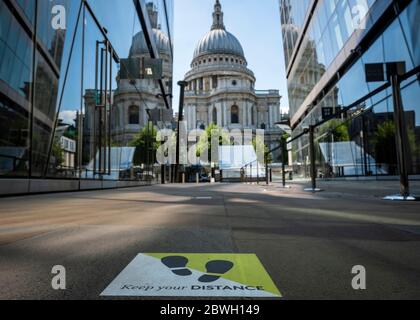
<point>56,58</point>
<point>327,44</point>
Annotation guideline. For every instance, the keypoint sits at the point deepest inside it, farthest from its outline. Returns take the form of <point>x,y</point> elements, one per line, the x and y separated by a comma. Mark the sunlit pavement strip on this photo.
<point>194,275</point>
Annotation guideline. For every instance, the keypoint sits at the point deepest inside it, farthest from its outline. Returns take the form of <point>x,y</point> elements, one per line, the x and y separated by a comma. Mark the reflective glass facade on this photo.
<point>326,74</point>
<point>57,57</point>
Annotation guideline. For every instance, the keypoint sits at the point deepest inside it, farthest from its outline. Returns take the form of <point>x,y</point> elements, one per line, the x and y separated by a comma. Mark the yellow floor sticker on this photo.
<point>194,275</point>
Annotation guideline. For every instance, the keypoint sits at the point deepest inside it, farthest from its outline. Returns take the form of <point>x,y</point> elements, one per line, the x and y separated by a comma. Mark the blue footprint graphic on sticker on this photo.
<point>178,265</point>
<point>215,270</point>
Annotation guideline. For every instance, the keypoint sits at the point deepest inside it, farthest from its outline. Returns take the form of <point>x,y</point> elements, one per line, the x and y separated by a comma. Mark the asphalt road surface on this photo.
<point>308,243</point>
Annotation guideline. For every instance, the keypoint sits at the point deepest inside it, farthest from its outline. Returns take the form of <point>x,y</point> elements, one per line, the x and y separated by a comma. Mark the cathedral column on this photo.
<point>210,115</point>
<point>249,114</point>
<point>145,117</point>
<point>244,114</point>
<point>225,112</point>
<point>188,111</point>
<point>194,117</point>
<point>275,114</point>
<point>191,111</point>
<point>219,115</point>
<point>222,113</point>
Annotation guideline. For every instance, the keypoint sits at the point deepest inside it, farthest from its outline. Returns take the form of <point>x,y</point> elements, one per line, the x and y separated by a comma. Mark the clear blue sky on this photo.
<point>255,23</point>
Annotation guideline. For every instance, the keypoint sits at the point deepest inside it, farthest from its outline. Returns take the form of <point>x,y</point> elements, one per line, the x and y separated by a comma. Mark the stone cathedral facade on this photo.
<point>221,88</point>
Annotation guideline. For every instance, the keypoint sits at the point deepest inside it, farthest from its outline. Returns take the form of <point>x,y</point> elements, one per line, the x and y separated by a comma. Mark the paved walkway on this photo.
<point>308,243</point>
<point>351,188</point>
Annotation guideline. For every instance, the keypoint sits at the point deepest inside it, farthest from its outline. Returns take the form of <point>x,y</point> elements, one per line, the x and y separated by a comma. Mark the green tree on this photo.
<point>385,146</point>
<point>257,144</point>
<point>385,143</point>
<point>337,128</point>
<point>146,145</point>
<point>71,133</point>
<point>58,154</point>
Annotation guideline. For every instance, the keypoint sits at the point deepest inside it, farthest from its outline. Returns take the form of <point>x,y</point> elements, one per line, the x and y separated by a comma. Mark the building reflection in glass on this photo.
<point>326,74</point>
<point>47,88</point>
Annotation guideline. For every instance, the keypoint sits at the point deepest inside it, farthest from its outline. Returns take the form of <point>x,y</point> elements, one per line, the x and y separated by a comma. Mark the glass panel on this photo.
<point>396,52</point>
<point>352,88</point>
<point>15,86</point>
<point>94,129</point>
<point>411,98</point>
<point>46,87</point>
<point>65,117</point>
<point>47,74</point>
<point>382,137</point>
<point>409,20</point>
<point>293,15</point>
<point>64,155</point>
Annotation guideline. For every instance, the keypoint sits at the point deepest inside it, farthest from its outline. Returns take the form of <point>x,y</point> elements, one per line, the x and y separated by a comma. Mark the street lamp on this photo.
<point>182,85</point>
<point>148,145</point>
<point>163,166</point>
<point>311,131</point>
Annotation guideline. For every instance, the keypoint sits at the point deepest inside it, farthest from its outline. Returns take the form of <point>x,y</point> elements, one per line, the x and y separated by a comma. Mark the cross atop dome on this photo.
<point>218,17</point>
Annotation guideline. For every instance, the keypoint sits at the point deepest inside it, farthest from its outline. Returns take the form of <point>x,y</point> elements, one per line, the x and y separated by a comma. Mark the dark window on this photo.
<point>214,81</point>
<point>134,115</point>
<point>234,115</point>
<point>214,115</point>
